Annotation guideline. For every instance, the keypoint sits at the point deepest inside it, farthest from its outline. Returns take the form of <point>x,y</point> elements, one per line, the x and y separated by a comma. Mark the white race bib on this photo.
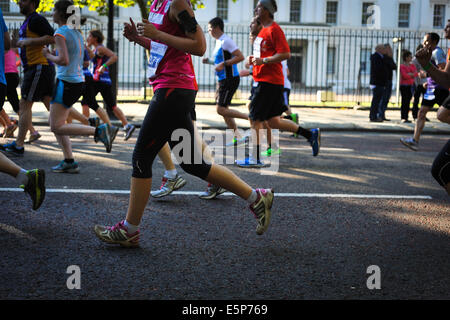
<point>157,52</point>
<point>257,47</point>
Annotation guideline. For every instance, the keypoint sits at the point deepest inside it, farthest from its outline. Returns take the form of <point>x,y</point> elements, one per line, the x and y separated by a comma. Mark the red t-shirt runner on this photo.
<point>270,41</point>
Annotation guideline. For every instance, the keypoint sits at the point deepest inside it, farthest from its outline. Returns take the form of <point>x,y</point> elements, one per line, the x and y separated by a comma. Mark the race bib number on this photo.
<point>157,52</point>
<point>257,47</point>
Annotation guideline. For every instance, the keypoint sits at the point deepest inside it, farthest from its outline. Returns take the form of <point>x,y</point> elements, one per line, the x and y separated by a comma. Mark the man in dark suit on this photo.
<point>378,81</point>
<point>390,67</point>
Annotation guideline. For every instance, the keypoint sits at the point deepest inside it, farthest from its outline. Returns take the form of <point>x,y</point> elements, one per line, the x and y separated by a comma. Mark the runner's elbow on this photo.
<point>199,50</point>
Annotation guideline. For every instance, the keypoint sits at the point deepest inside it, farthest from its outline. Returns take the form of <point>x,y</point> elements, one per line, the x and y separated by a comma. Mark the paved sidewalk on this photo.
<point>328,119</point>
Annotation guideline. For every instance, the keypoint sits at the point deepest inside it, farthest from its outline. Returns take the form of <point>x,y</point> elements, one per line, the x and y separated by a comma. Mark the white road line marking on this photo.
<point>282,195</point>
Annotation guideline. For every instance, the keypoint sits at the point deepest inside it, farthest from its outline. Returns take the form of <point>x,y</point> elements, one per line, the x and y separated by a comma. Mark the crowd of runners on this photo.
<point>171,35</point>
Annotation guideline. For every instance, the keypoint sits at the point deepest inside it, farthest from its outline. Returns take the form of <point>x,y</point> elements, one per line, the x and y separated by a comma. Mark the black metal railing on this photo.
<point>328,64</point>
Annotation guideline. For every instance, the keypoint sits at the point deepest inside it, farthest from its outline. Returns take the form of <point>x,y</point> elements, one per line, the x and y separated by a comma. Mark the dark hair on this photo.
<point>217,22</point>
<point>406,54</point>
<point>97,34</point>
<point>61,7</point>
<point>274,4</point>
<point>434,36</point>
<point>420,46</point>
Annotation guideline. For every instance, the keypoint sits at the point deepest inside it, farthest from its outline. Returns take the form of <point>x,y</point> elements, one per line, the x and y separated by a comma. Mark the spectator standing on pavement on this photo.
<point>378,81</point>
<point>408,73</point>
<point>419,85</point>
<point>435,94</point>
<point>441,165</point>
<point>390,66</point>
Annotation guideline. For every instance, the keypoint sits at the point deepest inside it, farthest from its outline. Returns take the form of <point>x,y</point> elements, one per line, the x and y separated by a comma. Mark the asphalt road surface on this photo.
<point>365,213</point>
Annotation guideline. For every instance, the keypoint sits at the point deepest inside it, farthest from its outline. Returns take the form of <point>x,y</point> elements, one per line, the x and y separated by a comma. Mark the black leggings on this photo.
<point>90,90</point>
<point>441,166</point>
<point>169,110</point>
<point>12,81</point>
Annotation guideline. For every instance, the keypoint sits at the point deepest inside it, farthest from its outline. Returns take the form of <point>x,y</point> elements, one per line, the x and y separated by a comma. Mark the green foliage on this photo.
<point>101,6</point>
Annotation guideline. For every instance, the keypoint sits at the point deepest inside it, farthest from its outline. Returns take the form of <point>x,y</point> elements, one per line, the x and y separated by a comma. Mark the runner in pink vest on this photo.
<point>172,34</point>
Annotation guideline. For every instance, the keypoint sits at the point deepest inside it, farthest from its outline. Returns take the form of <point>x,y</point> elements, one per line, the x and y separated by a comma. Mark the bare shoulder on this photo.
<point>179,6</point>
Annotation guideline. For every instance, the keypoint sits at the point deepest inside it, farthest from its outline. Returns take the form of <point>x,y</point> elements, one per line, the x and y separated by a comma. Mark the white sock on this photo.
<point>131,228</point>
<point>22,177</point>
<point>252,197</point>
<point>170,174</point>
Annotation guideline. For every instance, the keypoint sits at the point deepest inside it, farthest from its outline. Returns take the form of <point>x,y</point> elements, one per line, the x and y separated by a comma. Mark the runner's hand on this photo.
<point>257,61</point>
<point>45,52</point>
<point>147,29</point>
<point>130,31</point>
<point>424,56</point>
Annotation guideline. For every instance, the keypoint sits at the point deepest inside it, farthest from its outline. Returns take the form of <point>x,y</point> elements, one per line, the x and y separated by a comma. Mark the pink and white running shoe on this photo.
<point>117,234</point>
<point>261,209</point>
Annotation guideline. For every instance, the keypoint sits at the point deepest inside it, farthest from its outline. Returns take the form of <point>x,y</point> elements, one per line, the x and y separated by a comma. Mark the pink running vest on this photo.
<point>169,67</point>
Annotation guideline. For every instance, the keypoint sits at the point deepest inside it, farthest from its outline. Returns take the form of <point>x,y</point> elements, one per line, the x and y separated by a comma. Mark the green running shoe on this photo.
<point>35,187</point>
<point>270,152</point>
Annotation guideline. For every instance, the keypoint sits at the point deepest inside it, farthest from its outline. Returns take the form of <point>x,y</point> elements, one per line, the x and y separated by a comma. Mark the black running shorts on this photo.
<point>440,95</point>
<point>88,94</point>
<point>38,82</point>
<point>225,91</point>
<point>267,102</point>
<point>66,93</point>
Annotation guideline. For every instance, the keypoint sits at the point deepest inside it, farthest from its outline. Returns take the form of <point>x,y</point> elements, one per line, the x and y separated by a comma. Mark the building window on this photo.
<point>365,61</point>
<point>439,16</point>
<point>222,9</point>
<point>331,13</point>
<point>366,13</point>
<point>4,5</point>
<point>331,60</point>
<point>403,15</point>
<point>295,11</point>
<point>116,11</point>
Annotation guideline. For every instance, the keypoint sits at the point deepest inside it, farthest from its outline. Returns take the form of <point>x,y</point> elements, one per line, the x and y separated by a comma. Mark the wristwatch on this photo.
<point>265,60</point>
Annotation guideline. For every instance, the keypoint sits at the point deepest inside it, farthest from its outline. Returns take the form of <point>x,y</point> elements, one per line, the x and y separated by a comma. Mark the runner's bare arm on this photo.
<point>273,59</point>
<point>441,76</point>
<point>62,58</point>
<point>36,42</point>
<point>103,51</point>
<point>130,32</point>
<point>237,57</point>
<point>194,44</point>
